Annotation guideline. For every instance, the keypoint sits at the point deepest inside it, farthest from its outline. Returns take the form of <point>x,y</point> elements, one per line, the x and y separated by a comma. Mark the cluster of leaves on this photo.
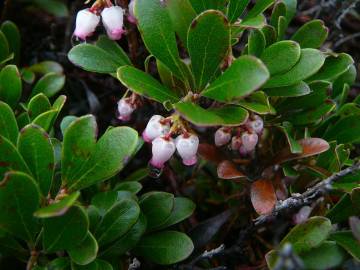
<point>301,91</point>
<point>44,212</point>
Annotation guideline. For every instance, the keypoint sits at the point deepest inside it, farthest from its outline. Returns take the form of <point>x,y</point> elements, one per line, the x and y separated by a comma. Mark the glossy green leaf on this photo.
<point>310,62</point>
<point>348,77</point>
<point>208,42</point>
<point>311,35</point>
<point>295,147</point>
<point>105,200</point>
<point>256,43</point>
<point>93,58</point>
<point>145,85</point>
<point>342,210</point>
<point>245,75</point>
<point>112,47</point>
<point>8,125</point>
<point>312,115</point>
<point>236,9</point>
<point>10,85</point>
<point>308,235</point>
<point>278,11</point>
<point>225,116</point>
<point>4,48</point>
<point>50,84</point>
<point>131,186</point>
<point>60,263</point>
<point>167,247</point>
<point>158,34</point>
<point>84,252</point>
<point>291,6</point>
<point>54,7</point>
<point>259,7</point>
<point>45,67</point>
<point>19,199</point>
<point>117,221</point>
<point>58,208</point>
<point>38,105</point>
<point>46,120</point>
<point>201,6</point>
<point>181,13</point>
<point>269,34</point>
<point>346,240</point>
<point>35,147</point>
<point>258,102</point>
<point>346,130</point>
<point>66,231</point>
<point>281,56</point>
<point>157,207</point>
<point>296,90</point>
<point>12,34</point>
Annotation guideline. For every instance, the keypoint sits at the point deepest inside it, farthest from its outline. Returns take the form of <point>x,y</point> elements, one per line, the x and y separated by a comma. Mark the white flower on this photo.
<point>155,128</point>
<point>256,125</point>
<point>125,109</point>
<point>249,141</point>
<point>222,137</point>
<point>131,17</point>
<point>86,23</point>
<point>187,147</point>
<point>113,20</point>
<point>162,151</point>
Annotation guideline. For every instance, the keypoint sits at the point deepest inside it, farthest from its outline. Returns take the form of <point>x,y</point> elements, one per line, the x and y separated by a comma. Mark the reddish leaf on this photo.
<point>227,170</point>
<point>210,153</point>
<point>263,196</point>
<point>311,147</point>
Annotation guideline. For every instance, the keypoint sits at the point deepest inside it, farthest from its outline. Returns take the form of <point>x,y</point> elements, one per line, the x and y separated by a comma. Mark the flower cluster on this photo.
<point>159,132</point>
<point>246,136</point>
<point>112,18</point>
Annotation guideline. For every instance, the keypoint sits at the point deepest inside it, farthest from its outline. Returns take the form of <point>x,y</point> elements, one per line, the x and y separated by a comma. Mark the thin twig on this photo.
<point>346,39</point>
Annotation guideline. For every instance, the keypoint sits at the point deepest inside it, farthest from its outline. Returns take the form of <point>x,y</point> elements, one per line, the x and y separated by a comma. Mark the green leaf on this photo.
<point>333,67</point>
<point>296,90</point>
<point>38,105</point>
<point>4,48</point>
<point>36,148</point>
<point>158,34</point>
<point>66,231</point>
<point>312,115</point>
<point>78,145</point>
<point>66,121</point>
<point>12,34</point>
<point>157,207</point>
<point>138,175</point>
<point>117,221</point>
<point>10,247</point>
<point>181,13</point>
<point>200,6</point>
<point>258,102</point>
<point>46,120</point>
<point>236,9</point>
<point>342,210</point>
<point>208,43</point>
<point>54,7</point>
<point>311,35</point>
<point>50,84</point>
<point>93,58</point>
<point>61,263</point>
<point>346,130</point>
<point>105,200</point>
<point>8,125</point>
<point>346,240</point>
<point>10,85</point>
<point>310,62</point>
<point>281,56</point>
<point>145,85</point>
<point>308,235</point>
<point>19,199</point>
<point>270,34</point>
<point>278,11</point>
<point>183,208</point>
<point>84,252</point>
<point>224,116</point>
<point>167,247</point>
<point>348,77</point>
<point>113,48</point>
<point>260,6</point>
<point>131,186</point>
<point>127,241</point>
<point>295,147</point>
<point>10,158</point>
<point>256,43</point>
<point>245,75</point>
<point>291,7</point>
<point>58,208</point>
<point>45,67</point>
<point>112,152</point>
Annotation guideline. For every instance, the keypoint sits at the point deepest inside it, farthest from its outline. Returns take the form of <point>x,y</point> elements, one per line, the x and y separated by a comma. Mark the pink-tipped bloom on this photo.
<point>113,21</point>
<point>249,141</point>
<point>86,23</point>
<point>187,147</point>
<point>131,17</point>
<point>222,136</point>
<point>235,143</point>
<point>155,128</point>
<point>125,109</point>
<point>256,126</point>
<point>162,151</point>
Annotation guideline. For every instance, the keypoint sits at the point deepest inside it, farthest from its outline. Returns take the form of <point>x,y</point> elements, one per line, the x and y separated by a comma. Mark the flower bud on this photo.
<point>125,109</point>
<point>86,23</point>
<point>155,128</point>
<point>222,137</point>
<point>187,147</point>
<point>113,20</point>
<point>131,16</point>
<point>235,143</point>
<point>162,151</point>
<point>249,141</point>
<point>256,125</point>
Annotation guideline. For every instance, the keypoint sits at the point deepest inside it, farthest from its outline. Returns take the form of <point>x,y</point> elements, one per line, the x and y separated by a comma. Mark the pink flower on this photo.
<point>113,20</point>
<point>125,109</point>
<point>249,141</point>
<point>256,126</point>
<point>187,147</point>
<point>86,23</point>
<point>222,136</point>
<point>131,16</point>
<point>162,150</point>
<point>235,143</point>
<point>156,127</point>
